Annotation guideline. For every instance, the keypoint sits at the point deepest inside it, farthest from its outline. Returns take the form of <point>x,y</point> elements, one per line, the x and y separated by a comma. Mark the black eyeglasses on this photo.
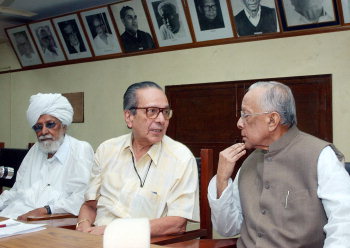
<point>38,127</point>
<point>153,112</point>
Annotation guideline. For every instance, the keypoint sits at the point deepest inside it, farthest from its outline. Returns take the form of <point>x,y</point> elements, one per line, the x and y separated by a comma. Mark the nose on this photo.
<point>45,130</point>
<point>160,118</point>
<point>240,123</point>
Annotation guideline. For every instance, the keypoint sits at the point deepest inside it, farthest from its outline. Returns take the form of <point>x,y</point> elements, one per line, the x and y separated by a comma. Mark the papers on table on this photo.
<point>11,227</point>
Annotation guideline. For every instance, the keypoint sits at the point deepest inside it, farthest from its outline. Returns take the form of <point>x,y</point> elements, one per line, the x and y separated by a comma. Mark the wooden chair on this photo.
<point>347,167</point>
<point>205,171</point>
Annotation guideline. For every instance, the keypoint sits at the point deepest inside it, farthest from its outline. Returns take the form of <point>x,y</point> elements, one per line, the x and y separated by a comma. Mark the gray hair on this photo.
<point>278,98</point>
<point>130,98</point>
<point>166,4</point>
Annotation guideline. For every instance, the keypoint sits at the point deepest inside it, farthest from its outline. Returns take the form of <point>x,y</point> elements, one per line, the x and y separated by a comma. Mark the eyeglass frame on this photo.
<point>160,110</point>
<point>210,7</point>
<point>245,115</point>
<point>39,127</point>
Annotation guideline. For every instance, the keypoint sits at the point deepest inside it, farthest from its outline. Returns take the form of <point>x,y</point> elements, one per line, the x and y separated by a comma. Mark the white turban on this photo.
<point>51,104</point>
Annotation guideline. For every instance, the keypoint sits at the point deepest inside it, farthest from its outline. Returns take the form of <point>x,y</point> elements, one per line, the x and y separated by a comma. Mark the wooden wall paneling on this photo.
<point>206,115</point>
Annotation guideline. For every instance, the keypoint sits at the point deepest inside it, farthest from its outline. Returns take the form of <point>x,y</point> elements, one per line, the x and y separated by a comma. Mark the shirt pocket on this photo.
<point>145,204</point>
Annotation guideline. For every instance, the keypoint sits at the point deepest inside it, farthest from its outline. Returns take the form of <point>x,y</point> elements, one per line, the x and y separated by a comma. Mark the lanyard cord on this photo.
<point>149,166</point>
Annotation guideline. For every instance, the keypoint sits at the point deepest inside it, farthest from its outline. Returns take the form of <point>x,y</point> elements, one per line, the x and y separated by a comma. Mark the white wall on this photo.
<point>104,82</point>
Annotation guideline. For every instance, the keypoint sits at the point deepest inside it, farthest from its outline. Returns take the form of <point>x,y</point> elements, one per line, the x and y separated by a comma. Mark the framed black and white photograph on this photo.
<point>72,37</point>
<point>306,14</point>
<point>210,19</point>
<point>255,17</point>
<point>346,10</point>
<point>169,22</point>
<point>24,46</point>
<point>46,41</point>
<point>100,30</point>
<point>133,26</point>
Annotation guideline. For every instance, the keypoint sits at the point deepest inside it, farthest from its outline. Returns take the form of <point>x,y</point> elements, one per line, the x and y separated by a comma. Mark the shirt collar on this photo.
<point>253,20</point>
<point>154,152</point>
<point>63,151</point>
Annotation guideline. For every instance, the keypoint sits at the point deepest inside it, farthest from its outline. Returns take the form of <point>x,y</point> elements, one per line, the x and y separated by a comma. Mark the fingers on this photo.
<point>234,152</point>
<point>228,159</point>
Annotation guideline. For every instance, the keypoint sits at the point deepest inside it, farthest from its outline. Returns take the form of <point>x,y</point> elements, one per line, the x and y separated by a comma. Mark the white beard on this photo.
<point>50,146</point>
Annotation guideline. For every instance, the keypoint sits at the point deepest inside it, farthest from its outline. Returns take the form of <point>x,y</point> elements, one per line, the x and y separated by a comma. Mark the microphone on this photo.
<point>6,172</point>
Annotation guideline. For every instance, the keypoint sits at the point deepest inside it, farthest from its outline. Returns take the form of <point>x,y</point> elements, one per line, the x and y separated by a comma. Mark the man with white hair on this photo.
<point>54,174</point>
<point>172,27</point>
<point>292,190</point>
<point>309,12</point>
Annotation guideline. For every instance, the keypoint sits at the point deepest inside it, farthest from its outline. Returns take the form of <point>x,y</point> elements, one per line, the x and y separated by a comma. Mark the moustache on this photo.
<point>43,137</point>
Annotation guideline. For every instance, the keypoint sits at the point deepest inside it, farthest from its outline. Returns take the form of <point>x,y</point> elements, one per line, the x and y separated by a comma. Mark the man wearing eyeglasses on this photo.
<point>291,191</point>
<point>143,174</point>
<point>55,172</point>
<point>209,15</point>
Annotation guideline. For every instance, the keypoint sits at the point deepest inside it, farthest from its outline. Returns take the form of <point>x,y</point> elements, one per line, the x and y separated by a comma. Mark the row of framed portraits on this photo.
<point>140,25</point>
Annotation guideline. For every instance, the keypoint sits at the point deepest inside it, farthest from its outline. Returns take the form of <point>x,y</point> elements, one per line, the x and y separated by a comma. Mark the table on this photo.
<point>206,243</point>
<point>54,237</point>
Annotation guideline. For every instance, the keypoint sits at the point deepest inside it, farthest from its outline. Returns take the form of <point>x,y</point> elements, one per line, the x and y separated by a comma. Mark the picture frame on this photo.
<point>100,30</point>
<point>244,21</point>
<point>210,19</point>
<point>72,37</point>
<point>47,41</point>
<point>177,32</point>
<point>132,23</point>
<point>296,15</point>
<point>23,46</point>
<point>346,11</point>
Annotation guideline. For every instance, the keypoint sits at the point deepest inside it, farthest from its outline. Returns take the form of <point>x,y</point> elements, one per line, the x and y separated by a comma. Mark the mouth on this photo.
<point>155,130</point>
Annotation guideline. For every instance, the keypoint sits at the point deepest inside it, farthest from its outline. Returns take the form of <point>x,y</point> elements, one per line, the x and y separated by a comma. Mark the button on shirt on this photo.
<point>170,183</point>
<point>59,182</point>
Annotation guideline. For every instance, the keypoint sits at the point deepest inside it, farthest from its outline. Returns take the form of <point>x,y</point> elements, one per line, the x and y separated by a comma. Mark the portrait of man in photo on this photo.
<point>171,26</point>
<point>209,14</point>
<point>72,36</point>
<point>255,18</point>
<point>47,42</point>
<point>133,38</point>
<point>25,49</point>
<point>308,11</point>
<point>101,32</point>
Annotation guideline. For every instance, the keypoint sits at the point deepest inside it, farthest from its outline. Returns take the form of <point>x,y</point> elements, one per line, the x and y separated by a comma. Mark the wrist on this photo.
<point>48,209</point>
<point>82,221</point>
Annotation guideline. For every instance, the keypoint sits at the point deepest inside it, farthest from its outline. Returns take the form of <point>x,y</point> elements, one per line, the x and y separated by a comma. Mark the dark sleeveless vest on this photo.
<point>278,192</point>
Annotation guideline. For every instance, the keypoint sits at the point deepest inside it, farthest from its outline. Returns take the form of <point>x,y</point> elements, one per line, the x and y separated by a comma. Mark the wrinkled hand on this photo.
<point>227,163</point>
<point>35,212</point>
<point>97,230</point>
<point>84,226</point>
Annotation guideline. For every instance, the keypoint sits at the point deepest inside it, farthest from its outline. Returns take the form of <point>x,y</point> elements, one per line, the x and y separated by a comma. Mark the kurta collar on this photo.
<point>282,142</point>
<point>154,152</point>
<point>63,151</point>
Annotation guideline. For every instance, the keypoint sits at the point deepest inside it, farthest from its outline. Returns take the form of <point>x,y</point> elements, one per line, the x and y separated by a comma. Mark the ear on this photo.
<point>128,117</point>
<point>273,121</point>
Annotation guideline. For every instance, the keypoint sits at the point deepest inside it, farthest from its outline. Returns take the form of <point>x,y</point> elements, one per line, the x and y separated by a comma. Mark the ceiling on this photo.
<point>44,9</point>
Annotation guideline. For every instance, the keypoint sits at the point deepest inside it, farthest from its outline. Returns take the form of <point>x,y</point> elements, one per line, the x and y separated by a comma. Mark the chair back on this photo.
<point>12,158</point>
<point>347,167</point>
<point>206,173</point>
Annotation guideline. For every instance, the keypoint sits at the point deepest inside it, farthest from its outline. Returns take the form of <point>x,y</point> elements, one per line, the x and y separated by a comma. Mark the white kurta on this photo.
<point>59,182</point>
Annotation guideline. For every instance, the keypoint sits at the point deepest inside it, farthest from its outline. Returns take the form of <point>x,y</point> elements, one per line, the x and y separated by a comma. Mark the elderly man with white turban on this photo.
<point>55,172</point>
